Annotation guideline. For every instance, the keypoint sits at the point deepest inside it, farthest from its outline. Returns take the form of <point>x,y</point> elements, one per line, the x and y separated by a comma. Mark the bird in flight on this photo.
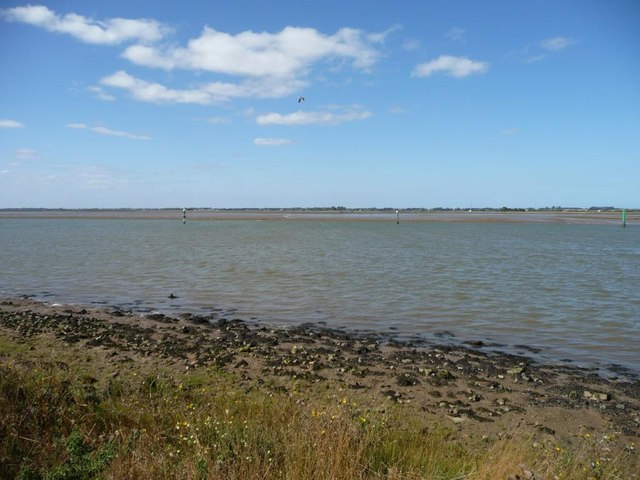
<point>300,99</point>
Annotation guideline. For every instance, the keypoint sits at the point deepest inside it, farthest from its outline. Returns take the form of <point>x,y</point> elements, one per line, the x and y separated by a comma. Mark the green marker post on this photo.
<point>624,218</point>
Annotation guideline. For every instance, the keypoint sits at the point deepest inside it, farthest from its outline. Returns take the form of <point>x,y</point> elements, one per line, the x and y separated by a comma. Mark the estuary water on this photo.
<point>572,291</point>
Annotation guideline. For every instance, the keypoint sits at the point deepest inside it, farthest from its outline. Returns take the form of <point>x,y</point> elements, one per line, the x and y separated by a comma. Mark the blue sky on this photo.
<point>406,103</point>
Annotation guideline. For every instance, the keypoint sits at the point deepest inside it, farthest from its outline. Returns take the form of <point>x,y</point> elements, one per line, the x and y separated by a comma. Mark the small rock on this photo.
<point>547,430</point>
<point>597,396</point>
<point>241,363</point>
<point>456,419</point>
<point>445,375</point>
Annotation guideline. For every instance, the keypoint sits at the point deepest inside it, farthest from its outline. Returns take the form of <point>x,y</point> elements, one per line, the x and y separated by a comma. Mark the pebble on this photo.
<point>603,397</point>
<point>456,419</point>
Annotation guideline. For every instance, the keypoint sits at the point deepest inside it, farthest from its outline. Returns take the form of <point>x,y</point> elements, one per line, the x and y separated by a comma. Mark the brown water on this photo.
<point>571,290</point>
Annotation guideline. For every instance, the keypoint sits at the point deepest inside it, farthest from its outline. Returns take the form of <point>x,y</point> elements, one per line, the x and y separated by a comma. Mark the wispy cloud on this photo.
<point>453,66</point>
<point>217,120</point>
<point>272,142</point>
<point>5,123</point>
<point>107,131</point>
<point>26,154</point>
<point>207,166</point>
<point>310,118</point>
<point>509,131</point>
<point>545,48</point>
<point>557,43</point>
<point>381,37</point>
<point>411,44</point>
<point>397,110</point>
<point>457,35</point>
<point>96,177</point>
<point>101,94</point>
<point>107,32</point>
<point>535,58</point>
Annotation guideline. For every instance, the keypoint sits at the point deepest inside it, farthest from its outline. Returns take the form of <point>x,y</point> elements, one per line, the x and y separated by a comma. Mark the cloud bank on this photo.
<point>251,64</point>
<point>285,54</point>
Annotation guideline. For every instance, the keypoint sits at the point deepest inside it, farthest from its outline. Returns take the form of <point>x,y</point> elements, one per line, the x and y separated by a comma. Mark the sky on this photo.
<point>240,104</point>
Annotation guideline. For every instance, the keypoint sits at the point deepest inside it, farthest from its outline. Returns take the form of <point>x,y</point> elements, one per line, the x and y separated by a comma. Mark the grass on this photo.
<point>70,423</point>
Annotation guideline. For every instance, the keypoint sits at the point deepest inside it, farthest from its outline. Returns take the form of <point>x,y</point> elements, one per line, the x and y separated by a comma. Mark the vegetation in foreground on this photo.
<point>66,422</point>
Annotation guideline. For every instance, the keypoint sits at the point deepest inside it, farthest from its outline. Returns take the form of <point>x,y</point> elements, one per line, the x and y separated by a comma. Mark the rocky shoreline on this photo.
<point>482,394</point>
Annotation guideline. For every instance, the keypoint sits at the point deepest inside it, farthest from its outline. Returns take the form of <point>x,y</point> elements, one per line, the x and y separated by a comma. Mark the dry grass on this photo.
<point>68,423</point>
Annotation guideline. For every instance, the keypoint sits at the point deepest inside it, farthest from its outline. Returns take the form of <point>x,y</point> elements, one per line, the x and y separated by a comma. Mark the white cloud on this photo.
<point>381,37</point>
<point>288,53</point>
<point>265,64</point>
<point>107,131</point>
<point>206,94</point>
<point>509,131</point>
<point>26,154</point>
<point>108,32</point>
<point>272,142</point>
<point>101,94</point>
<point>453,66</point>
<point>5,123</point>
<point>309,118</point>
<point>118,133</point>
<point>557,43</point>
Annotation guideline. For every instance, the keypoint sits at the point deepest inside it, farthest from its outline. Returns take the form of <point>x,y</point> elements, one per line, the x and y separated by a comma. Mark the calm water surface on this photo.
<point>571,290</point>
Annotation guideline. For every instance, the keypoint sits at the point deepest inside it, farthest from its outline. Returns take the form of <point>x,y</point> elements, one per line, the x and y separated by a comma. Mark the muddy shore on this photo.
<point>481,393</point>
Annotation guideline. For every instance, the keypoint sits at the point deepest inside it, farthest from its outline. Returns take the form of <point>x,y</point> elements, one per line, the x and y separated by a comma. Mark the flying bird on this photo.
<point>300,99</point>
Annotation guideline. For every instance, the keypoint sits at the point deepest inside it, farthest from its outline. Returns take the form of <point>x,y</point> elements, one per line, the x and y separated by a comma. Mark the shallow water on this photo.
<point>571,290</point>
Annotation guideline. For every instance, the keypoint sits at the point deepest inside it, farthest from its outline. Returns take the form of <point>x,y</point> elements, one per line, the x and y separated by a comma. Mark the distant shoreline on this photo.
<point>386,215</point>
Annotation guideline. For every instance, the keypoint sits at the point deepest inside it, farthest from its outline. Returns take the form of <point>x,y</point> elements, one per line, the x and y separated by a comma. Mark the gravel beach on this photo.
<point>482,393</point>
